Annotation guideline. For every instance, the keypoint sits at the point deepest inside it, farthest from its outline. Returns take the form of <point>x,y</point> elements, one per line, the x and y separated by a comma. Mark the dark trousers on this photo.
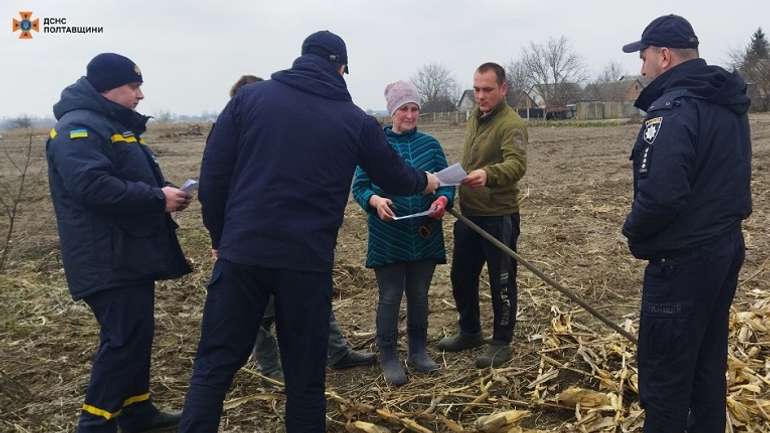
<point>119,389</point>
<point>682,353</point>
<point>266,349</point>
<point>471,251</point>
<point>393,280</point>
<point>236,300</point>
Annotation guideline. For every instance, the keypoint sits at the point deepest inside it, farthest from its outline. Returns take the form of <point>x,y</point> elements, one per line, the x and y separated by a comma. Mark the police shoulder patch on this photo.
<point>651,129</point>
<point>79,133</point>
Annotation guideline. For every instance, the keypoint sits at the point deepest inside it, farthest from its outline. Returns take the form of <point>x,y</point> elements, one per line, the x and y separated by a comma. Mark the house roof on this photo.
<point>641,78</point>
<point>613,90</point>
<point>467,94</point>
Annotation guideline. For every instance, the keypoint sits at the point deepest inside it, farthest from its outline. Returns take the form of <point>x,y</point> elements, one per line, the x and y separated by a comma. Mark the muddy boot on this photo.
<point>391,366</point>
<point>419,359</point>
<point>460,341</point>
<point>497,354</point>
<point>354,358</point>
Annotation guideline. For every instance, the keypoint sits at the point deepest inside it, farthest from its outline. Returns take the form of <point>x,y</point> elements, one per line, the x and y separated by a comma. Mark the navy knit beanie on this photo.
<point>109,70</point>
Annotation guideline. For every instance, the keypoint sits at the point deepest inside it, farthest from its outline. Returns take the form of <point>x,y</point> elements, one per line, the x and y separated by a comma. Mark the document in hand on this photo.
<point>452,175</point>
<point>415,215</point>
<point>189,185</point>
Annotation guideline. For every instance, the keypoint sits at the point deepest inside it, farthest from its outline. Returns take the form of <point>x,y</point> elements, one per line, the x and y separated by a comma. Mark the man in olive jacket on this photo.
<point>494,156</point>
<point>112,210</point>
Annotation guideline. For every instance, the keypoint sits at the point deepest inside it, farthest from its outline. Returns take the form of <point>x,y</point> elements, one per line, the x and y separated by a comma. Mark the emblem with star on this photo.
<point>650,133</point>
<point>651,129</point>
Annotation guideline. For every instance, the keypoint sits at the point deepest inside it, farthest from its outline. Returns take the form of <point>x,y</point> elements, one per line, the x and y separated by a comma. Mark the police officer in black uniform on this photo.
<point>692,170</point>
<point>117,238</point>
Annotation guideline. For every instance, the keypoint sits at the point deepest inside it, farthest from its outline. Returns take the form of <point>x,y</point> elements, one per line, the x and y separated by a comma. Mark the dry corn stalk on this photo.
<point>604,379</point>
<point>519,429</point>
<point>365,427</point>
<point>412,426</point>
<point>500,422</point>
<point>573,396</point>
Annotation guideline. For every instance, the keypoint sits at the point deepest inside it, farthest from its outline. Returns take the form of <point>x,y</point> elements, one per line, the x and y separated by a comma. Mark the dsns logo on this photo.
<point>26,25</point>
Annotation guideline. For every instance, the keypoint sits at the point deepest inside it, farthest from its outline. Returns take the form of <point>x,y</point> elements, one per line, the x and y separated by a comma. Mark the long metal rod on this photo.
<point>566,292</point>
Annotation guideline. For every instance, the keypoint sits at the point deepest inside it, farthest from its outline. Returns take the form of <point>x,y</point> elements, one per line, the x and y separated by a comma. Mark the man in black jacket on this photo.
<point>112,210</point>
<point>274,183</point>
<point>692,172</point>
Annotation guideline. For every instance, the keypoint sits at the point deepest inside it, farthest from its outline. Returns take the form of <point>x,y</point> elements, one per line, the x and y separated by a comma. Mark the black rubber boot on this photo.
<point>419,359</point>
<point>391,366</point>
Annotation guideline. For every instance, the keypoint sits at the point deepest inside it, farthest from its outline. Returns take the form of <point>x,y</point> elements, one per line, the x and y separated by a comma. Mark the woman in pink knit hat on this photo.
<point>404,253</point>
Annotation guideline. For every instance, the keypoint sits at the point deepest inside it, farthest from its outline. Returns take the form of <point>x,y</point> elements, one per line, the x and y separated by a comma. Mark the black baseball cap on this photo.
<point>327,45</point>
<point>670,31</point>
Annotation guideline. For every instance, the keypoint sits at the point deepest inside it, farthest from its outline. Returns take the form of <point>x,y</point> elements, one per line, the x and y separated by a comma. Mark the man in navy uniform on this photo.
<point>692,170</point>
<point>117,238</point>
<point>275,179</point>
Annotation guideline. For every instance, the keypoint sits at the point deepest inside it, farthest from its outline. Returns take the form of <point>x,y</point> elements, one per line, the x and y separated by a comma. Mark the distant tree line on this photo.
<point>551,71</point>
<point>555,74</point>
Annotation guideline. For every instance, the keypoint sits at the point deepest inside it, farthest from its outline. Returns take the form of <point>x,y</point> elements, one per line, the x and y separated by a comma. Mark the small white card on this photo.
<point>452,175</point>
<point>189,185</point>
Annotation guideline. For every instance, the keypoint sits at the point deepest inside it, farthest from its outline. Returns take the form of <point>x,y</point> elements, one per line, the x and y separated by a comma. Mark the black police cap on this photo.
<point>327,45</point>
<point>670,31</point>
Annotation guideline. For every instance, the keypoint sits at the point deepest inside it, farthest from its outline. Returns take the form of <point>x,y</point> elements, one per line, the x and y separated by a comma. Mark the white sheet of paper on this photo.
<point>189,185</point>
<point>452,175</point>
<point>414,215</point>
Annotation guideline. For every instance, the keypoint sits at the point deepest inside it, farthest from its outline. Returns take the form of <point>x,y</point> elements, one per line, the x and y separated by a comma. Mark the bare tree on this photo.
<point>554,69</point>
<point>437,87</point>
<point>519,83</point>
<point>613,71</point>
<point>753,62</point>
<point>12,194</point>
<point>598,88</point>
<point>517,76</point>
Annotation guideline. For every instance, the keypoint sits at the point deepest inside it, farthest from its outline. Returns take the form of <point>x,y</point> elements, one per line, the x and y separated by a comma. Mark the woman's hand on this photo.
<point>439,207</point>
<point>384,207</point>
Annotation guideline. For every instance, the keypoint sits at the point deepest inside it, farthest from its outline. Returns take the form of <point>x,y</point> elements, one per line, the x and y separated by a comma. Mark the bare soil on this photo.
<point>577,191</point>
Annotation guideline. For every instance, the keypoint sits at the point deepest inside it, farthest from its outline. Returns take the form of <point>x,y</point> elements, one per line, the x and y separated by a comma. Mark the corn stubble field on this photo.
<point>569,372</point>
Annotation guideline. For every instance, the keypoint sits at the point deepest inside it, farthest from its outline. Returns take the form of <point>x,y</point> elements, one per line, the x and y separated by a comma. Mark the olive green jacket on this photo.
<point>497,143</point>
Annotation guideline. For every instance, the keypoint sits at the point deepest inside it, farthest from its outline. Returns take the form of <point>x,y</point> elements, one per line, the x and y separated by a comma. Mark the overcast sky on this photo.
<point>191,52</point>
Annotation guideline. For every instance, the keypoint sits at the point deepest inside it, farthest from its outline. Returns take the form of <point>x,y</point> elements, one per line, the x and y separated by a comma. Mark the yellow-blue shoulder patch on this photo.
<point>78,133</point>
<point>52,133</point>
<point>123,138</point>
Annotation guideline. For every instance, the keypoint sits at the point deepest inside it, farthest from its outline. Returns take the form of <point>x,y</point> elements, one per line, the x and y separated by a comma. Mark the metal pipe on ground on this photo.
<point>550,281</point>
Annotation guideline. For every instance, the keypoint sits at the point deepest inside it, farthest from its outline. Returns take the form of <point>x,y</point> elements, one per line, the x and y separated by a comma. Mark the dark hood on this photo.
<point>313,74</point>
<point>699,80</point>
<point>83,96</point>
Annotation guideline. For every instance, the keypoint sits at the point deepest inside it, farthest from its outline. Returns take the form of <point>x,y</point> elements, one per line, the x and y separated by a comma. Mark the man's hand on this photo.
<point>176,199</point>
<point>214,254</point>
<point>383,206</point>
<point>439,207</point>
<point>476,178</point>
<point>433,183</point>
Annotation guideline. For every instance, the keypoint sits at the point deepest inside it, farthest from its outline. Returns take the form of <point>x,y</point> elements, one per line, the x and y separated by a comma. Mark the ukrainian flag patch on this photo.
<point>79,133</point>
